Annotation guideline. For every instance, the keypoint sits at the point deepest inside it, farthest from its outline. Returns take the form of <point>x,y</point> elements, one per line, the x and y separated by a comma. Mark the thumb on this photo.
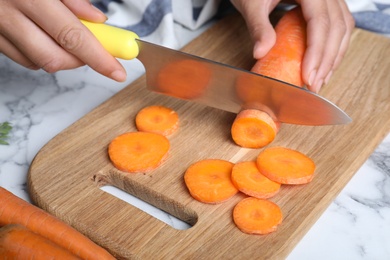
<point>264,38</point>
<point>256,15</point>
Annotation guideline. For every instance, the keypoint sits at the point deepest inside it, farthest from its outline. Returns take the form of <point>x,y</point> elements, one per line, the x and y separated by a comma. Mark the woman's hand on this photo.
<point>329,28</point>
<point>48,35</point>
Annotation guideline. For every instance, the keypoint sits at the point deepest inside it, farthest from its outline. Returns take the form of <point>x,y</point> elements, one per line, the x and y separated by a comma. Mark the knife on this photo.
<point>185,76</point>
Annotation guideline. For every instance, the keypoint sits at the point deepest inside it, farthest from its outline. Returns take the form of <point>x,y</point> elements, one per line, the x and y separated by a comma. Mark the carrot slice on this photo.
<point>187,79</point>
<point>257,216</point>
<point>209,181</point>
<point>157,119</point>
<point>14,210</point>
<point>17,242</point>
<point>248,179</point>
<point>285,165</point>
<point>284,60</point>
<point>138,151</point>
<point>253,129</point>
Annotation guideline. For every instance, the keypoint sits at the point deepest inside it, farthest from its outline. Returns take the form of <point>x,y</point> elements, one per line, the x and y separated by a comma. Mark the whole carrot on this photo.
<point>14,210</point>
<point>18,242</point>
<point>282,62</point>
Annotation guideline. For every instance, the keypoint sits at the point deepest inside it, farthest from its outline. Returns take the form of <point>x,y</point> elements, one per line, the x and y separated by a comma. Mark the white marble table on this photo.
<point>39,106</point>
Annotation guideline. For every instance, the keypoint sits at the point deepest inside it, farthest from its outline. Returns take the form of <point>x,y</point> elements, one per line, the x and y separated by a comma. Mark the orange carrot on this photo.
<point>18,242</point>
<point>186,79</point>
<point>14,210</point>
<point>209,181</point>
<point>282,62</point>
<point>138,151</point>
<point>247,178</point>
<point>253,129</point>
<point>285,165</point>
<point>257,216</point>
<point>157,119</point>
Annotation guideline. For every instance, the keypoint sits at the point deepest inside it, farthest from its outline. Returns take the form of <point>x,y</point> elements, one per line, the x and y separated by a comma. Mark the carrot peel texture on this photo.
<point>18,242</point>
<point>284,60</point>
<point>14,210</point>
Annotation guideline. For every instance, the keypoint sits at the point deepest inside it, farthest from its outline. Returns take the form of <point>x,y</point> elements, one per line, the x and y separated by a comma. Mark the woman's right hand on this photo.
<point>48,35</point>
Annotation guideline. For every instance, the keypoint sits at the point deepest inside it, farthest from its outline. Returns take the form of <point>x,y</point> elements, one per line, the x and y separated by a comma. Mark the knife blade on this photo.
<point>189,77</point>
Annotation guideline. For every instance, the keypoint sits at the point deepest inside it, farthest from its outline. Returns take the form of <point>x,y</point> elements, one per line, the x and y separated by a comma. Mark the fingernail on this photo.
<point>100,12</point>
<point>118,75</point>
<point>312,76</point>
<point>327,78</point>
<point>318,86</point>
<point>256,50</point>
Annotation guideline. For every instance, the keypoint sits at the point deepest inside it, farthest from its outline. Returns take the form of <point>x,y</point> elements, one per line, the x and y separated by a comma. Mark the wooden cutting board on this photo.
<point>66,174</point>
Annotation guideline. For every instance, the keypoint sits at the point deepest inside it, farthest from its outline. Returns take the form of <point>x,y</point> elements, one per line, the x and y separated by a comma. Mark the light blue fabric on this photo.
<point>151,18</point>
<point>375,17</point>
<point>374,20</point>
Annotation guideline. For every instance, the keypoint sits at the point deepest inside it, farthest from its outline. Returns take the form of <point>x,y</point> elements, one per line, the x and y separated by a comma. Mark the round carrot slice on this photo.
<point>157,119</point>
<point>257,216</point>
<point>253,129</point>
<point>209,181</point>
<point>248,179</point>
<point>138,151</point>
<point>187,79</point>
<point>285,166</point>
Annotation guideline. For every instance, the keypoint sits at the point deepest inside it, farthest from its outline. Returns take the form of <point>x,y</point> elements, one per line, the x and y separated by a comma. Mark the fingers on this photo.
<point>350,24</point>
<point>329,26</point>
<point>83,9</point>
<point>14,54</point>
<point>256,15</point>
<point>49,35</point>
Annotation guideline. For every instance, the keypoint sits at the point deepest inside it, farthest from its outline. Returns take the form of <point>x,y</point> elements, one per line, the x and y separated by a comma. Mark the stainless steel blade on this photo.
<point>214,84</point>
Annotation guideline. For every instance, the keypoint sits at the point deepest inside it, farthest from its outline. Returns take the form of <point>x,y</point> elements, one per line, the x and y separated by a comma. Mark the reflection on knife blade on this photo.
<point>193,78</point>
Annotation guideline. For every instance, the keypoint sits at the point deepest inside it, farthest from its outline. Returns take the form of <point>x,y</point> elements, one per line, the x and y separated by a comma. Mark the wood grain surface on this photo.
<point>66,174</point>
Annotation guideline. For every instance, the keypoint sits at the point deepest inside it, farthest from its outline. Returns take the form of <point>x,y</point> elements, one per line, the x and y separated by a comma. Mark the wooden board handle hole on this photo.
<point>140,196</point>
<point>147,208</point>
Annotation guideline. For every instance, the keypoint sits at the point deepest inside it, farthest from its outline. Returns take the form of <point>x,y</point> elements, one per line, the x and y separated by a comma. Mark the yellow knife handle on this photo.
<point>118,42</point>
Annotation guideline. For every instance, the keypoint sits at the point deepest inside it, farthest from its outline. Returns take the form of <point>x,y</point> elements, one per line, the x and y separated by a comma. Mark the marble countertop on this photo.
<point>356,225</point>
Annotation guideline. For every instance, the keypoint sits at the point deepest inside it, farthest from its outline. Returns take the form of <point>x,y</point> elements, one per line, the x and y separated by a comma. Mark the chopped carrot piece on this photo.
<point>209,181</point>
<point>18,242</point>
<point>284,60</point>
<point>248,179</point>
<point>14,210</point>
<point>187,79</point>
<point>157,119</point>
<point>257,216</point>
<point>253,129</point>
<point>286,166</point>
<point>138,151</point>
